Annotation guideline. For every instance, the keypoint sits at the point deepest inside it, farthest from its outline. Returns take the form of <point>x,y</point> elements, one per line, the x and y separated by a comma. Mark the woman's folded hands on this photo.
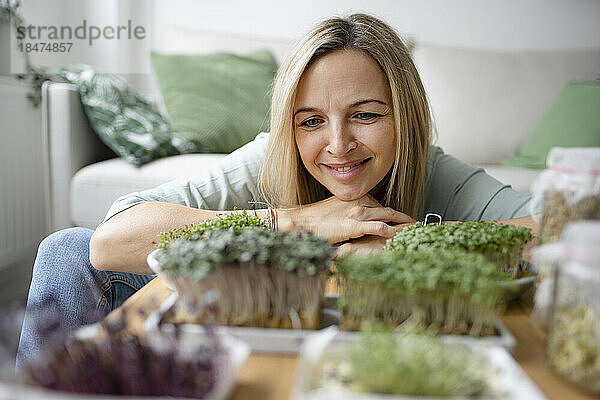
<point>361,225</point>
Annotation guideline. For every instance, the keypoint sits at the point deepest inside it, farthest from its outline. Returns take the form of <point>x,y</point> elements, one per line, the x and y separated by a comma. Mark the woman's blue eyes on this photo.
<point>364,116</point>
<point>311,123</point>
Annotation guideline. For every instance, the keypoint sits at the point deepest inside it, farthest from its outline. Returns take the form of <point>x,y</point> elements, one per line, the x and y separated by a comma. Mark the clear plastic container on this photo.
<point>569,189</point>
<point>573,344</point>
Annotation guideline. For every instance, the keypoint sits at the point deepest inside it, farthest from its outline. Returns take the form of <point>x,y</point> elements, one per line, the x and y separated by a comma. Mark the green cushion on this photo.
<point>572,121</point>
<point>219,101</point>
<point>124,119</point>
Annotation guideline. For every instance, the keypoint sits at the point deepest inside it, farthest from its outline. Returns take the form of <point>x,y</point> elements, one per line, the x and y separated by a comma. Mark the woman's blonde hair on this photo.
<point>284,181</point>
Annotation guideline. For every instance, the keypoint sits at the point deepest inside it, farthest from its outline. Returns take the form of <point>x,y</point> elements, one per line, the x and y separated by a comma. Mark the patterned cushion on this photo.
<point>124,119</point>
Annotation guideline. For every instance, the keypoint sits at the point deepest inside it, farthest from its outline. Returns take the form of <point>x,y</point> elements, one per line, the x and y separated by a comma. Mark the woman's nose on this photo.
<point>340,140</point>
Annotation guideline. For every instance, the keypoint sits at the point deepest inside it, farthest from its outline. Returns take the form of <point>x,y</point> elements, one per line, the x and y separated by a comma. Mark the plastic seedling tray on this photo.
<point>237,352</point>
<point>508,380</point>
<point>260,340</point>
<point>289,341</point>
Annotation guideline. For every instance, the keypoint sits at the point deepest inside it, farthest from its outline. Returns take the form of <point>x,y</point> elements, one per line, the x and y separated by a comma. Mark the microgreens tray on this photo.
<point>289,341</point>
<point>260,340</point>
<point>236,350</point>
<point>503,338</point>
<point>503,376</point>
<point>518,286</point>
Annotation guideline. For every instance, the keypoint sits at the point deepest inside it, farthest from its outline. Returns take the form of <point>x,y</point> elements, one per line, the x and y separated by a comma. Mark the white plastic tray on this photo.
<point>260,340</point>
<point>289,341</point>
<point>505,339</point>
<point>155,266</point>
<point>522,284</point>
<point>509,376</point>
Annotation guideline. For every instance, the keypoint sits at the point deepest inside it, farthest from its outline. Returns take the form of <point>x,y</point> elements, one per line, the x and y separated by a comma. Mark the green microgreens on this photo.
<point>452,289</point>
<point>265,278</point>
<point>301,253</point>
<point>500,243</point>
<point>416,365</point>
<point>236,221</point>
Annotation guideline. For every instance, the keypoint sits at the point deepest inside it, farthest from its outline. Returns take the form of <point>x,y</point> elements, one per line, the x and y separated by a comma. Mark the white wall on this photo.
<point>493,24</point>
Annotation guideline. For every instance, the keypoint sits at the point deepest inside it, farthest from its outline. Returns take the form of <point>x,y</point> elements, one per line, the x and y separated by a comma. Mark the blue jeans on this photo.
<point>64,276</point>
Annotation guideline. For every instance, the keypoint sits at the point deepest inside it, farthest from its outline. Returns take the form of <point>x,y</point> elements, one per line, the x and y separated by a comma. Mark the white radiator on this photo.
<point>22,177</point>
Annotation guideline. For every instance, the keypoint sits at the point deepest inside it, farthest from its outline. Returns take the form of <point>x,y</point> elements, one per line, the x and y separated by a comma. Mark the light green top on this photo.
<point>455,190</point>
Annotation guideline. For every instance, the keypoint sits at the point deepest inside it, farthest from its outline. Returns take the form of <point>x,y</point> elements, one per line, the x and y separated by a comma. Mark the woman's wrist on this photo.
<point>277,219</point>
<point>286,219</point>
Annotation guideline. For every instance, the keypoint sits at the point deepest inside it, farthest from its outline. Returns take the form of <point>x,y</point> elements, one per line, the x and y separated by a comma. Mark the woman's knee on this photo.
<point>64,288</point>
<point>69,239</point>
<point>63,254</point>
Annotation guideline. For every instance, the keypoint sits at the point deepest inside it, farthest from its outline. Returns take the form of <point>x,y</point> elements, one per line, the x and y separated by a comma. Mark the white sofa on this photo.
<point>485,103</point>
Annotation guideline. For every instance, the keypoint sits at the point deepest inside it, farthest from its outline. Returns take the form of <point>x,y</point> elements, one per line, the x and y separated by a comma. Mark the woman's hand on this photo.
<point>363,245</point>
<point>338,221</point>
<point>367,244</point>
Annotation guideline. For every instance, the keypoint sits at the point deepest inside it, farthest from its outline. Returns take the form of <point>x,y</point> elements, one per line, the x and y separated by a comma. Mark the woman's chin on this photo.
<point>349,195</point>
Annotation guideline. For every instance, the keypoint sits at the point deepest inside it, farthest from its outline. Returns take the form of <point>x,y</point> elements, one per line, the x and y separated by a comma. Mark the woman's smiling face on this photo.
<point>343,123</point>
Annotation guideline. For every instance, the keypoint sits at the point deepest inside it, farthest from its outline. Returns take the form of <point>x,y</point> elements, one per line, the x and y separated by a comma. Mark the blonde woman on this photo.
<point>349,157</point>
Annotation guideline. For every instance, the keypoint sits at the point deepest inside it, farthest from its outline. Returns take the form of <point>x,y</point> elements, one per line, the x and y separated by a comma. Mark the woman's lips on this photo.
<point>348,170</point>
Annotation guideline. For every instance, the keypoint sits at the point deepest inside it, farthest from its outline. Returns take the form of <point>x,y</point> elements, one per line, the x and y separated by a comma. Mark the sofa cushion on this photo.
<point>485,103</point>
<point>218,101</point>
<point>123,118</point>
<point>519,178</point>
<point>572,121</point>
<point>94,188</point>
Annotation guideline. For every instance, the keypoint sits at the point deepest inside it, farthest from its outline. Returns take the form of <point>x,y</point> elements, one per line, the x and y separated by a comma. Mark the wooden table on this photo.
<point>269,377</point>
